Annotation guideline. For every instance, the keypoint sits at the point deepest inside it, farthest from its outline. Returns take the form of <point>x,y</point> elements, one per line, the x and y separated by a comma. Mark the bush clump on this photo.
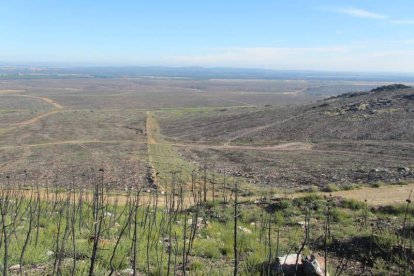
<point>351,204</point>
<point>331,188</point>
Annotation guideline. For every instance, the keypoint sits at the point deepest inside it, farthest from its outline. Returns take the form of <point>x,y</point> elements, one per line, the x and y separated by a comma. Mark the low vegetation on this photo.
<point>85,229</point>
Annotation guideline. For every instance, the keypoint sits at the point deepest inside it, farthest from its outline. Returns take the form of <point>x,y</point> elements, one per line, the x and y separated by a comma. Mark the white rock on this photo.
<point>290,259</point>
<point>128,271</point>
<point>14,268</point>
<point>314,265</point>
<point>301,223</point>
<point>287,264</point>
<point>50,253</point>
<point>245,230</point>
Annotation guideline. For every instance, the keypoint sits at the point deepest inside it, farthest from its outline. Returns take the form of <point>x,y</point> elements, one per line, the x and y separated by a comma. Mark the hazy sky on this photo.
<point>363,35</point>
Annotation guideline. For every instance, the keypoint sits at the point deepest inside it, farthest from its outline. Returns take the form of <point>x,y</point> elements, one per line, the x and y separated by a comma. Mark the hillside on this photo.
<point>362,137</point>
<point>385,113</point>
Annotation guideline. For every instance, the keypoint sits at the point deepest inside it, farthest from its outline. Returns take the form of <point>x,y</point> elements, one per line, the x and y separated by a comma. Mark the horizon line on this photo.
<point>65,65</point>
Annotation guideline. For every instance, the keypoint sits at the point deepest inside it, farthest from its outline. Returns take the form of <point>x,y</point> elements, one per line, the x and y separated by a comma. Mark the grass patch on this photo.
<point>331,188</point>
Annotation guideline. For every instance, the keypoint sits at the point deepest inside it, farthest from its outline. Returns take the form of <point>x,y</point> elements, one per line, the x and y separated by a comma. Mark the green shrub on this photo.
<point>249,215</point>
<point>279,218</point>
<point>352,204</point>
<point>319,205</point>
<point>306,199</point>
<point>339,215</point>
<point>285,204</point>
<point>395,210</point>
<point>400,183</point>
<point>282,205</point>
<point>331,188</point>
<point>254,264</point>
<point>196,265</point>
<point>377,184</point>
<point>385,241</point>
<point>350,186</point>
<point>207,248</point>
<point>313,189</point>
<point>245,243</point>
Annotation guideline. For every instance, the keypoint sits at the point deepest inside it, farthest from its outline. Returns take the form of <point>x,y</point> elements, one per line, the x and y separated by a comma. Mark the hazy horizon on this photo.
<point>171,70</point>
<point>343,36</point>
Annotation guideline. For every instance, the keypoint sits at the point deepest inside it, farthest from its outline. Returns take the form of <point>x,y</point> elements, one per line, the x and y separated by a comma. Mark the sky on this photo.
<point>328,35</point>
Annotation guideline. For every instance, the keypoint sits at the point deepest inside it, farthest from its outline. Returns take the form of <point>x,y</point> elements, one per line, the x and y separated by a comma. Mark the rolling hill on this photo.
<point>385,113</point>
<point>359,137</point>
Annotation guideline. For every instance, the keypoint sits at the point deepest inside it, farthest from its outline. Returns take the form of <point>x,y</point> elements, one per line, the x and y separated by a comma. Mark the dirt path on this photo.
<point>259,128</point>
<point>152,141</point>
<point>27,149</point>
<point>69,142</point>
<point>45,99</point>
<point>10,91</point>
<point>282,147</point>
<point>34,119</point>
<point>57,108</point>
<point>55,104</point>
<point>385,195</point>
<point>207,95</point>
<point>151,127</point>
<point>115,197</point>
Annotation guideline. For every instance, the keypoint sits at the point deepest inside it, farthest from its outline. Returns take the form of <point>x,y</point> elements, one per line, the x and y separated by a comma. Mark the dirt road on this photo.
<point>385,195</point>
<point>57,107</point>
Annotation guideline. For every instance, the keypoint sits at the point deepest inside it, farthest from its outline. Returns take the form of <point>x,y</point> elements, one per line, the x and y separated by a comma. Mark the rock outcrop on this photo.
<point>292,264</point>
